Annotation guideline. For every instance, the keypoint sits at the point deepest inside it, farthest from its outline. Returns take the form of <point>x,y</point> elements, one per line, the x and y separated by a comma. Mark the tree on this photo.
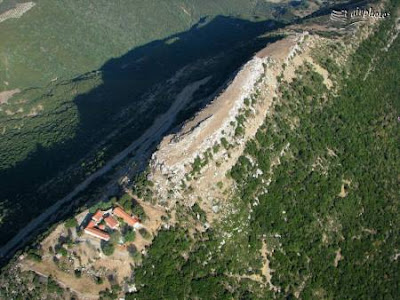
<point>108,248</point>
<point>126,202</point>
<point>115,237</point>
<point>62,251</point>
<point>34,255</point>
<point>139,211</point>
<point>133,252</point>
<point>129,236</point>
<point>98,280</point>
<point>144,233</point>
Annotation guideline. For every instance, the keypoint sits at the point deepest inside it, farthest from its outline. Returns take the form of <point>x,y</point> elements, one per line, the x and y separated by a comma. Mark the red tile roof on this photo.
<point>119,212</point>
<point>98,216</point>
<point>102,226</point>
<point>98,233</point>
<point>111,222</point>
<point>91,224</point>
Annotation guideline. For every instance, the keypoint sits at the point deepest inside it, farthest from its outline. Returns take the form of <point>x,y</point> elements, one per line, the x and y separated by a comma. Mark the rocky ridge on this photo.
<point>210,138</point>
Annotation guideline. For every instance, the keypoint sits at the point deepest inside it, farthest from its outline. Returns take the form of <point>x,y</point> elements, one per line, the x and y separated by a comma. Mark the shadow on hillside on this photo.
<point>125,80</point>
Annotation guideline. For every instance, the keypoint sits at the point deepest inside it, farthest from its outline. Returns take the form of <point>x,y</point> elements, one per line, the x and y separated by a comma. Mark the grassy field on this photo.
<point>62,39</point>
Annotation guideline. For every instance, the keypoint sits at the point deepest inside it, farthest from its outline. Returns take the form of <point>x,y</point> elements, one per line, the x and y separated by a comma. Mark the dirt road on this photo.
<point>142,144</point>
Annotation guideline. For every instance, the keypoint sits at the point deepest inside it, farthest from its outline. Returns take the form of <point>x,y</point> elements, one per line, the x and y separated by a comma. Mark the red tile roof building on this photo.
<point>98,216</point>
<point>92,230</point>
<point>119,212</point>
<point>97,230</point>
<point>97,233</point>
<point>91,224</point>
<point>111,222</point>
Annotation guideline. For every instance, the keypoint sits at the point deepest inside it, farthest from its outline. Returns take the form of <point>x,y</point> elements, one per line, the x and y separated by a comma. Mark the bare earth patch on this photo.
<point>343,190</point>
<point>17,11</point>
<point>6,95</point>
<point>278,50</point>
<point>338,257</point>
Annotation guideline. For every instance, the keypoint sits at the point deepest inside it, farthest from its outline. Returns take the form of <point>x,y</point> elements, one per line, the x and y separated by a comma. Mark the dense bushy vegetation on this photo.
<point>167,273</point>
<point>335,244</point>
<point>330,212</point>
<point>108,248</point>
<point>331,204</point>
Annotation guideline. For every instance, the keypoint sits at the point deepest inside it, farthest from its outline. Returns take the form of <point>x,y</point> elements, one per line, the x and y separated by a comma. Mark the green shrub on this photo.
<point>138,211</point>
<point>225,143</point>
<point>53,287</point>
<point>108,248</point>
<point>126,202</point>
<point>216,148</point>
<point>129,236</point>
<point>144,233</point>
<point>71,223</point>
<point>98,280</point>
<point>34,255</point>
<point>62,251</point>
<point>78,273</point>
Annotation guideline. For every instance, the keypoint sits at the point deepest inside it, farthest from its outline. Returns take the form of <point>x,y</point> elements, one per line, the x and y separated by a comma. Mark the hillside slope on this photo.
<point>80,80</point>
<point>285,185</point>
<point>62,39</point>
<point>311,196</point>
<point>74,127</point>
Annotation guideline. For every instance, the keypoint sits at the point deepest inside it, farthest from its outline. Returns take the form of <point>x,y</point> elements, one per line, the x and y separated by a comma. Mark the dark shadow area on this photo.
<point>216,47</point>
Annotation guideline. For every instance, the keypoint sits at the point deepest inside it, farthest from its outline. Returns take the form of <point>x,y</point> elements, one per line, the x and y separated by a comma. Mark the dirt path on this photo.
<point>151,135</point>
